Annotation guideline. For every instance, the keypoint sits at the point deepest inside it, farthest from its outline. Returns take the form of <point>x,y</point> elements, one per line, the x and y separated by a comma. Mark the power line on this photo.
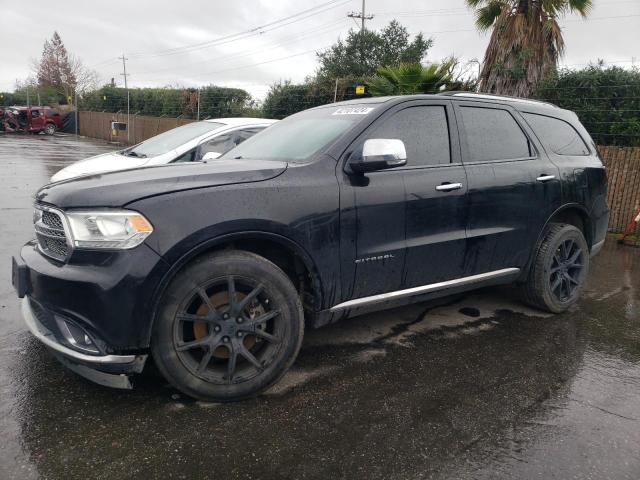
<point>259,30</point>
<point>324,28</point>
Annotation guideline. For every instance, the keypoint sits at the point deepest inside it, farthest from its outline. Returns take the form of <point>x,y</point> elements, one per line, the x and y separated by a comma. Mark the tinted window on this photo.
<point>424,131</point>
<point>35,113</point>
<point>493,134</point>
<point>559,135</point>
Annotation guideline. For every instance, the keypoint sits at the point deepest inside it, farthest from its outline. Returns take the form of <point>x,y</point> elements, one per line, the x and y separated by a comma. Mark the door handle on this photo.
<point>447,187</point>
<point>545,178</point>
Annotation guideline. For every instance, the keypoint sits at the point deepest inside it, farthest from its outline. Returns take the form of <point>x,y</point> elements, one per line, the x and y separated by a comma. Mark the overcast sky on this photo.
<point>147,31</point>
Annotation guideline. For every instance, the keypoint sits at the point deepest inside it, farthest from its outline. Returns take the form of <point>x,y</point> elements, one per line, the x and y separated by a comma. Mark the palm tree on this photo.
<point>410,78</point>
<point>526,41</point>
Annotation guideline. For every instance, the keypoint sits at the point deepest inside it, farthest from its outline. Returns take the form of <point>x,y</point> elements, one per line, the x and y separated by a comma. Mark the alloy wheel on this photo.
<point>566,271</point>
<point>228,331</point>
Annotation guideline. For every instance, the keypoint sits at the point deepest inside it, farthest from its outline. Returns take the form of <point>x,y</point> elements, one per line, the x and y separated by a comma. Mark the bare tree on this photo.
<point>64,72</point>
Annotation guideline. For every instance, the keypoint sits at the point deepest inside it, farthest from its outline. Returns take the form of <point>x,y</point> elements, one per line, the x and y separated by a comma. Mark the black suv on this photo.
<point>214,268</point>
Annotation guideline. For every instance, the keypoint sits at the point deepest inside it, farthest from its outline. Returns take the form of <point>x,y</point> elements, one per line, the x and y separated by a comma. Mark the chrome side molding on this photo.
<point>434,287</point>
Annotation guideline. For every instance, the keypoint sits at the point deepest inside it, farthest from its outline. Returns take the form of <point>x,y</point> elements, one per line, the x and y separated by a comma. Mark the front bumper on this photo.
<point>89,366</point>
<point>105,297</point>
<point>109,294</point>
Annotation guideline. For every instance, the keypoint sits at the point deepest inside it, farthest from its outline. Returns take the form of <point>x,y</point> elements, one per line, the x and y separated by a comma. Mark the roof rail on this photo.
<point>490,96</point>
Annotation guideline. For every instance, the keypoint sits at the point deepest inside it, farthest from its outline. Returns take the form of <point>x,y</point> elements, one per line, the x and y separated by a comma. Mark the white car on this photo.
<point>195,141</point>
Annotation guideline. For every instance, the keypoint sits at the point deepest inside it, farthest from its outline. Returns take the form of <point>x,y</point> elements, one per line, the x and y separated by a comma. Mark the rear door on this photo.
<point>512,186</point>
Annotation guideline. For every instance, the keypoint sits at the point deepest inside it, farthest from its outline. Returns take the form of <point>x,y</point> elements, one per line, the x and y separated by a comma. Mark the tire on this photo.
<point>50,129</point>
<point>229,325</point>
<point>559,269</point>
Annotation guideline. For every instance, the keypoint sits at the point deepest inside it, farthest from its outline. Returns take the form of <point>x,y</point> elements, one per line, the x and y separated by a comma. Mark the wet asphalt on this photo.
<point>473,387</point>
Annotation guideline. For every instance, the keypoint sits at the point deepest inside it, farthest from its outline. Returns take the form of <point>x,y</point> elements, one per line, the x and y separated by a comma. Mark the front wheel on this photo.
<point>50,129</point>
<point>230,324</point>
<point>559,270</point>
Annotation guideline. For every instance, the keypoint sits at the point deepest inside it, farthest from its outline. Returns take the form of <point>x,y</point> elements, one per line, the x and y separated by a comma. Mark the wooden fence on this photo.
<point>623,163</point>
<point>98,125</point>
<point>623,174</point>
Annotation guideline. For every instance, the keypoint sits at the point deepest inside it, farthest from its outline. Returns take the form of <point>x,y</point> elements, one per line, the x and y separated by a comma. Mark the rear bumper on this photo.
<point>109,370</point>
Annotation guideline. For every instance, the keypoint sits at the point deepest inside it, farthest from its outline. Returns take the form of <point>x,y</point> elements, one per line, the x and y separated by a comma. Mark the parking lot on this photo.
<point>475,386</point>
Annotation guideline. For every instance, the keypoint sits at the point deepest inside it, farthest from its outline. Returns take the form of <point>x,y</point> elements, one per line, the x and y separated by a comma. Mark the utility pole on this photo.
<point>126,86</point>
<point>198,116</point>
<point>28,104</point>
<point>38,92</point>
<point>361,15</point>
<point>75,94</point>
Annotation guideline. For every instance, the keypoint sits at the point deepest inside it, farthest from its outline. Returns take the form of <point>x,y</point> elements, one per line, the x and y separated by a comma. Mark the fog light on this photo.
<point>75,336</point>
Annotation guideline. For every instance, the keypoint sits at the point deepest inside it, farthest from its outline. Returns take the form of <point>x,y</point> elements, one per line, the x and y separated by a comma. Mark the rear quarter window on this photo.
<point>560,136</point>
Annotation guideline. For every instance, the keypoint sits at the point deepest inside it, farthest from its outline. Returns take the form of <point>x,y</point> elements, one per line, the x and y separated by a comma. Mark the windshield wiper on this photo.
<point>238,157</point>
<point>133,153</point>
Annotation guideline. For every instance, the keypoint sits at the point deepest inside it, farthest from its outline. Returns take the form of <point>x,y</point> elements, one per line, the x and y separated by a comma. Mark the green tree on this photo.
<point>607,101</point>
<point>172,102</point>
<point>525,43</point>
<point>413,78</point>
<point>361,53</point>
<point>286,98</point>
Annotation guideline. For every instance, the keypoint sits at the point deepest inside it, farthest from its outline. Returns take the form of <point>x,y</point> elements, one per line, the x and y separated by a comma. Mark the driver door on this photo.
<point>409,230</point>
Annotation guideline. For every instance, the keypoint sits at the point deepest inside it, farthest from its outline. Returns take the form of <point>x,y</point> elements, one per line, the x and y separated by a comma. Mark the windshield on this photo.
<point>298,137</point>
<point>172,139</point>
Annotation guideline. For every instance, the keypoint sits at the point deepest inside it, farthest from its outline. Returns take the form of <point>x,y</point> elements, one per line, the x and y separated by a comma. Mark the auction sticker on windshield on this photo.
<point>352,111</point>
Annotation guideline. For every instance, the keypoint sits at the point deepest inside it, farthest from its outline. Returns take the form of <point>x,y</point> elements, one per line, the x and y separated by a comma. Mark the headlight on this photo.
<point>120,229</point>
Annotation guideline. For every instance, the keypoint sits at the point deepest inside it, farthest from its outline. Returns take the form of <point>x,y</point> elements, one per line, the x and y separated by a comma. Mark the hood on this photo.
<point>116,189</point>
<point>107,162</point>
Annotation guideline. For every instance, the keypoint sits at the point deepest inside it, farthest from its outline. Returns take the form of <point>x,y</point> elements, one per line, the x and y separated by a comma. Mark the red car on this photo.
<point>31,119</point>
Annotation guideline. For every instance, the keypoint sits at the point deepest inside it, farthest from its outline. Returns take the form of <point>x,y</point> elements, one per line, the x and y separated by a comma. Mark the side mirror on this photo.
<point>211,155</point>
<point>379,154</point>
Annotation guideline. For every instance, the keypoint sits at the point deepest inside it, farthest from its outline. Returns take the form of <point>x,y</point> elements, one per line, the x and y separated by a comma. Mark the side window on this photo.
<point>219,144</point>
<point>188,156</point>
<point>559,135</point>
<point>424,131</point>
<point>493,134</point>
<point>242,135</point>
<point>35,113</point>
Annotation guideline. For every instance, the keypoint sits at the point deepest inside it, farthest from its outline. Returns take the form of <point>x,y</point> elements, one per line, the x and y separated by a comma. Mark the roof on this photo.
<point>238,121</point>
<point>24,107</point>
<point>521,104</point>
<point>501,98</point>
<point>515,101</point>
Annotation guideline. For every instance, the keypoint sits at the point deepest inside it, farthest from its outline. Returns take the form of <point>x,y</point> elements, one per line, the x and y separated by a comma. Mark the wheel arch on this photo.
<point>281,250</point>
<point>572,214</point>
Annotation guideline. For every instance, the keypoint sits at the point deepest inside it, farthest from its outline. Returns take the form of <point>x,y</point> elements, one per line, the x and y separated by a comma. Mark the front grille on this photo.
<point>50,233</point>
<point>52,220</point>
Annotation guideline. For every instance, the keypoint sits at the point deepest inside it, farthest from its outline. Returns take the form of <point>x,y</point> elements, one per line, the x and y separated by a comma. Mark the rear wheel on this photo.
<point>50,129</point>
<point>229,326</point>
<point>559,270</point>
